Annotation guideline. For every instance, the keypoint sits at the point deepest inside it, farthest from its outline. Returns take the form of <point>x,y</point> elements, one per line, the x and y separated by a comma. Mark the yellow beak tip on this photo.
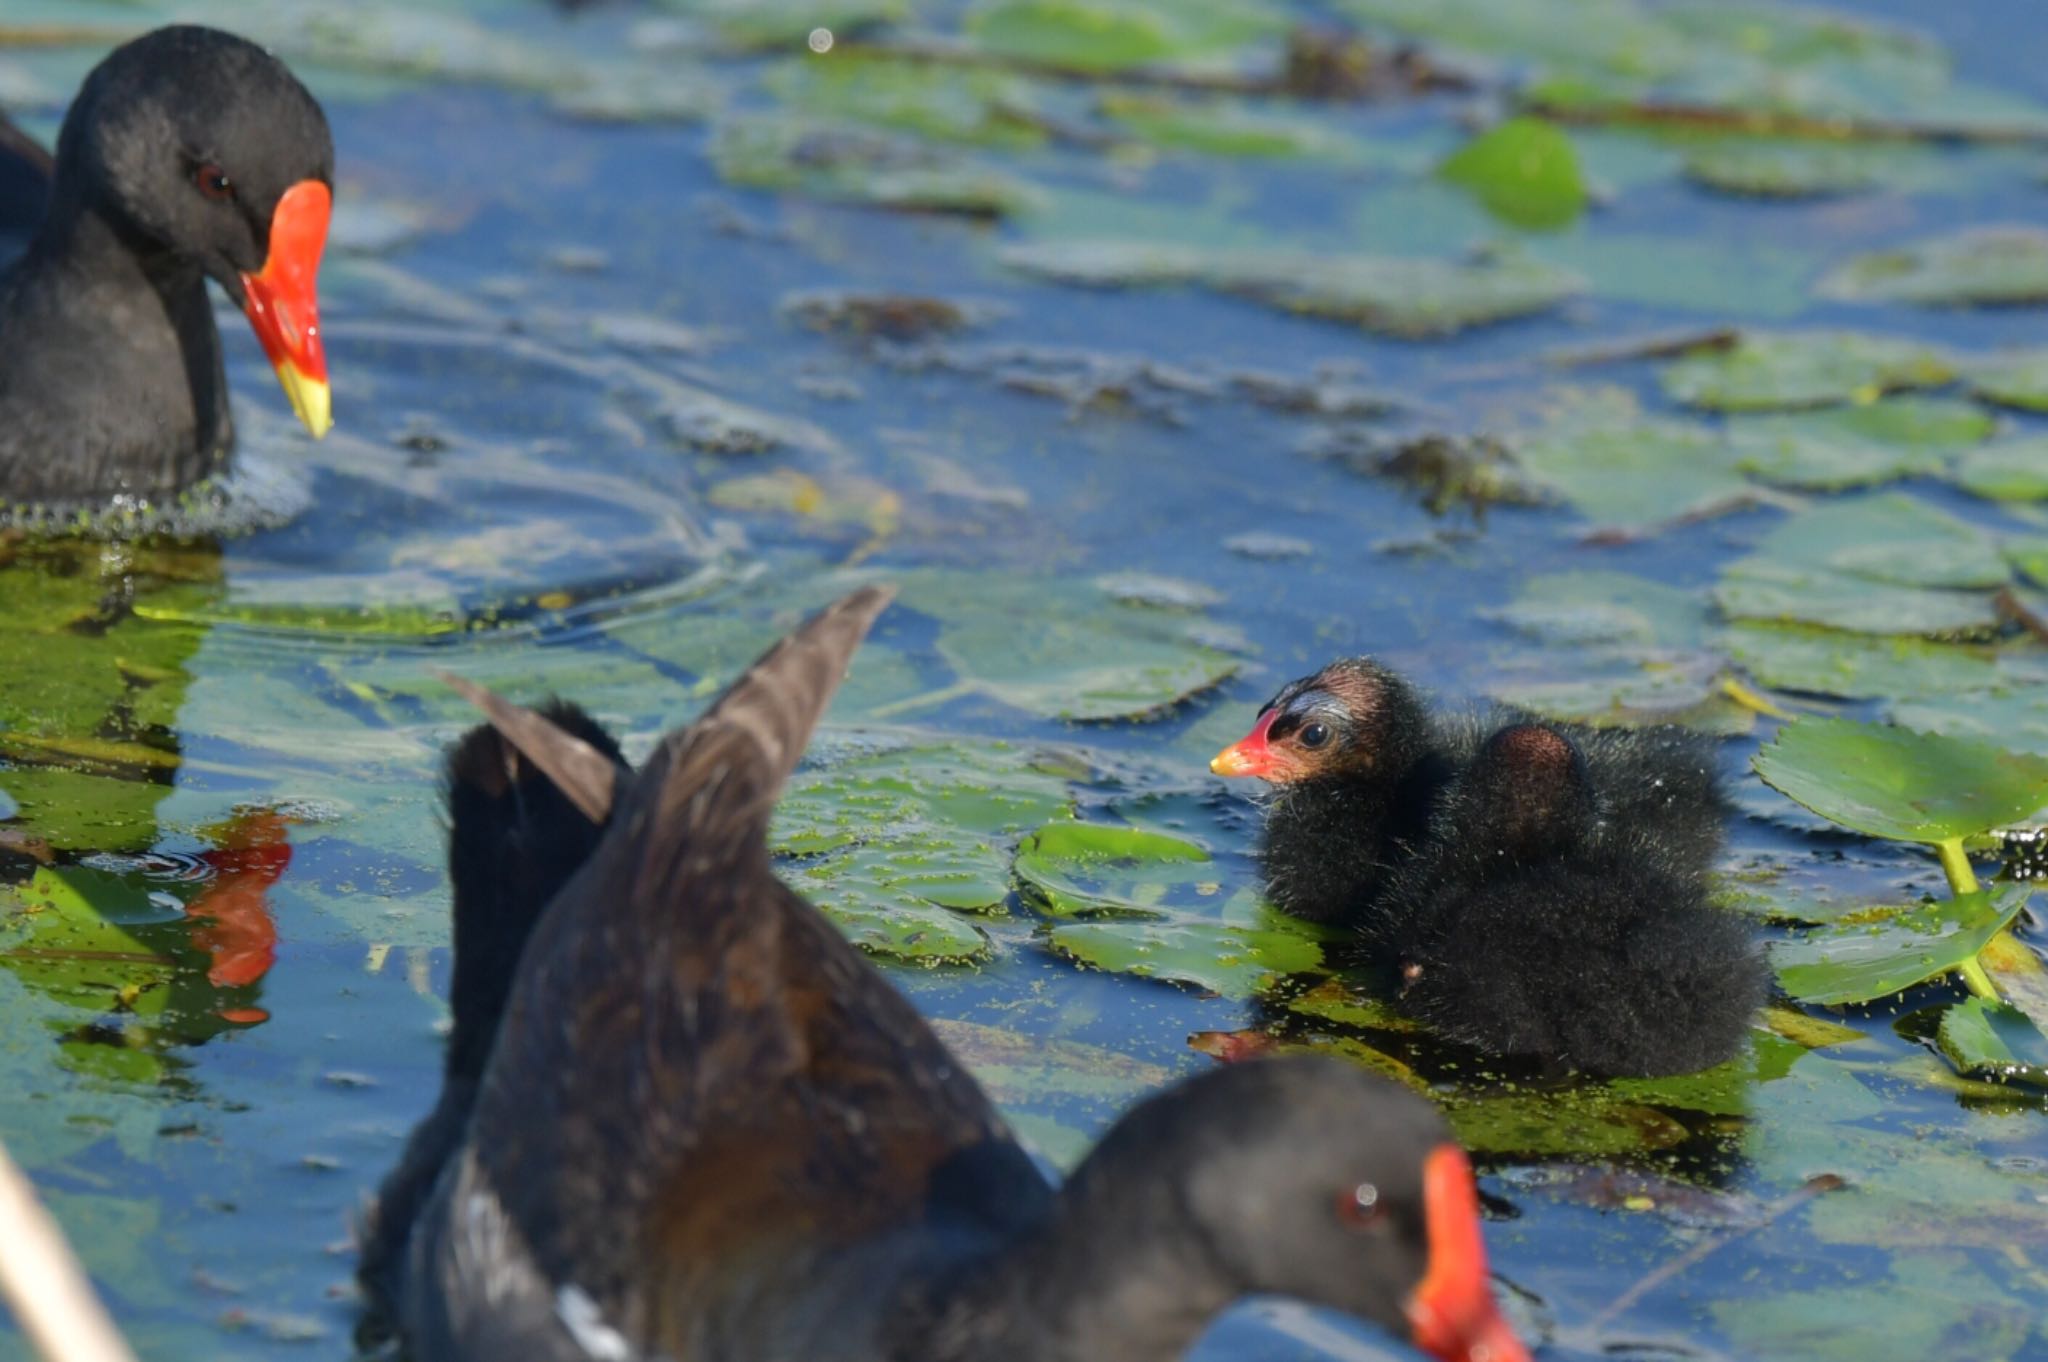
<point>311,398</point>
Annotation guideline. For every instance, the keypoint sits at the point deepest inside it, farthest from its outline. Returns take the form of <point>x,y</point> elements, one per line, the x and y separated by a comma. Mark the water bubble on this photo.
<point>820,41</point>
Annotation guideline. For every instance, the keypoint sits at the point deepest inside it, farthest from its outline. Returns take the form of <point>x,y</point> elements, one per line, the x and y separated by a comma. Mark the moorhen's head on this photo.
<point>1526,795</point>
<point>1307,1177</point>
<point>1352,719</point>
<point>200,145</point>
<point>514,839</point>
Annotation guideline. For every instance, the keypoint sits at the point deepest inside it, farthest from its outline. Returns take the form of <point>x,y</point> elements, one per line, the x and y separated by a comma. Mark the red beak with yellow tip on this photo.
<point>1254,754</point>
<point>1452,1312</point>
<point>284,305</point>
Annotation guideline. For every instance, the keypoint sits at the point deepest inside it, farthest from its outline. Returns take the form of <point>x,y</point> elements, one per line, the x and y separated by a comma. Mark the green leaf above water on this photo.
<point>1892,782</point>
<point>1974,266</point>
<point>1765,370</point>
<point>1839,447</point>
<point>1862,961</point>
<point>1993,1041</point>
<point>1525,171</point>
<point>1093,869</point>
<point>2010,470</point>
<point>1232,961</point>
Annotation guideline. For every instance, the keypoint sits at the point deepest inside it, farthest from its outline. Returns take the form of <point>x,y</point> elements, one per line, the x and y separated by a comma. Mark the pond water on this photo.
<point>650,330</point>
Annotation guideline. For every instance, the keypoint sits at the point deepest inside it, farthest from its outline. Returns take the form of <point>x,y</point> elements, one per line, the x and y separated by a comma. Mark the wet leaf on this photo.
<point>1862,961</point>
<point>1233,961</point>
<point>1892,782</point>
<point>1115,35</point>
<point>2014,719</point>
<point>952,104</point>
<point>2015,378</point>
<point>1406,297</point>
<point>1623,469</point>
<point>1840,447</point>
<point>1765,589</point>
<point>1591,609</point>
<point>1785,170</point>
<point>1525,171</point>
<point>1098,870</point>
<point>1765,370</point>
<point>2010,470</point>
<point>1974,266</point>
<point>1835,662</point>
<point>1994,1041</point>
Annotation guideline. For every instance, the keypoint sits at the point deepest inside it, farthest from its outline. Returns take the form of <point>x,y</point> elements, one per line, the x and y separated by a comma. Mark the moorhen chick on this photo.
<point>1535,921</point>
<point>709,1129</point>
<point>189,154</point>
<point>514,839</point>
<point>1359,765</point>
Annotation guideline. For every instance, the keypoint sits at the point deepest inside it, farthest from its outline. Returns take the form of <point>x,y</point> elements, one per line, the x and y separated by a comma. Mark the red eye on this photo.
<point>1359,1207</point>
<point>213,181</point>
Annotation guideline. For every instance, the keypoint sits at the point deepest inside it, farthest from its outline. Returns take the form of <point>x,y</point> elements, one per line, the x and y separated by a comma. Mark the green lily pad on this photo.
<point>2015,719</point>
<point>1620,468</point>
<point>1993,1041</point>
<point>2010,470</point>
<point>1766,370</point>
<point>1643,690</point>
<point>1595,609</point>
<point>1232,961</point>
<point>1863,961</point>
<point>1221,128</point>
<point>1975,266</point>
<point>2012,378</point>
<point>1840,447</point>
<point>1098,870</point>
<point>948,103</point>
<point>1892,782</point>
<point>750,25</point>
<point>1525,171</point>
<point>1765,589</point>
<point>1784,170</point>
<point>1887,537</point>
<point>1410,298</point>
<point>1115,35</point>
<point>835,160</point>
<point>1834,662</point>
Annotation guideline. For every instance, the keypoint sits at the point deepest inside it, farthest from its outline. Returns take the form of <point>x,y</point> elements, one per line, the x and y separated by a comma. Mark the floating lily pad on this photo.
<point>1233,961</point>
<point>1892,782</point>
<point>950,104</point>
<point>1765,370</point>
<point>1590,609</point>
<point>1994,1041</point>
<point>1836,662</point>
<point>835,160</point>
<point>2010,470</point>
<point>2015,719</point>
<point>1525,171</point>
<point>1648,689</point>
<point>2014,378</point>
<point>1219,128</point>
<point>1783,170</point>
<point>750,24</point>
<point>1974,266</point>
<point>1890,537</point>
<point>1765,589</point>
<point>1623,469</point>
<point>1840,447</point>
<point>1405,297</point>
<point>1863,961</point>
<point>1115,35</point>
<point>1102,870</point>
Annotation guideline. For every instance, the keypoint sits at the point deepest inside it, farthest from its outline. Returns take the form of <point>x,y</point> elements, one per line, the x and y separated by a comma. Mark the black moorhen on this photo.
<point>1359,765</point>
<point>1537,922</point>
<point>514,839</point>
<point>189,154</point>
<point>708,1128</point>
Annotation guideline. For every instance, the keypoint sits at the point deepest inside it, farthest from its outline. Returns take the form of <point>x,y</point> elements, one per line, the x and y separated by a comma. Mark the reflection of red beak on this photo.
<point>1452,1312</point>
<point>284,307</point>
<point>1252,755</point>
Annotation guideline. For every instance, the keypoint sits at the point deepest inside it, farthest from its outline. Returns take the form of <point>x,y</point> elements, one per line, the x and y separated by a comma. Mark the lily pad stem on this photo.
<point>1956,865</point>
<point>1977,981</point>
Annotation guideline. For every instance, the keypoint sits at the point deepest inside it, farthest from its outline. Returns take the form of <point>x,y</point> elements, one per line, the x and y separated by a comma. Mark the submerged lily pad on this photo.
<point>1765,370</point>
<point>1892,782</point>
<point>1994,1041</point>
<point>1862,961</point>
<point>1405,297</point>
<point>1525,171</point>
<point>1974,266</point>
<point>1839,447</point>
<point>2010,470</point>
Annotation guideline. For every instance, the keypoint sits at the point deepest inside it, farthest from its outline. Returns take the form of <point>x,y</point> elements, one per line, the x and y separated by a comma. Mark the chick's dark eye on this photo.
<point>1314,735</point>
<point>1359,1207</point>
<point>213,181</point>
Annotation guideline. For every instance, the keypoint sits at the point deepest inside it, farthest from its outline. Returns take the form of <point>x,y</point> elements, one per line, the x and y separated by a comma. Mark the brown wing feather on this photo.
<point>697,1075</point>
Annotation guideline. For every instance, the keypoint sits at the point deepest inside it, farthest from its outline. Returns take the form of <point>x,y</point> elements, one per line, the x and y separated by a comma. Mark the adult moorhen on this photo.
<point>1359,766</point>
<point>189,154</point>
<point>1535,922</point>
<point>708,1128</point>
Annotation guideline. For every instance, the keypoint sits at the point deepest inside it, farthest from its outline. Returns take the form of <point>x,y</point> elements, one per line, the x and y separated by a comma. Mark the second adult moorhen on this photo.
<point>188,154</point>
<point>709,1129</point>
